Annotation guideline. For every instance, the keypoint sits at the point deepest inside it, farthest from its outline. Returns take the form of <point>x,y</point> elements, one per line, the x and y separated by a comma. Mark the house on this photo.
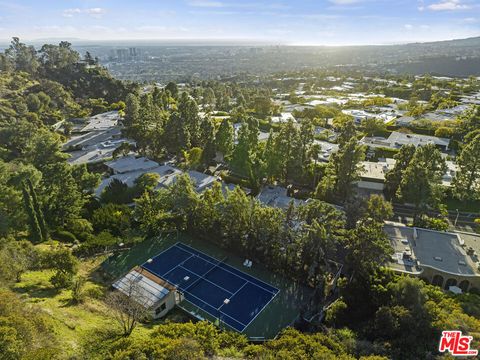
<point>127,169</point>
<point>148,290</point>
<point>397,139</point>
<point>359,115</point>
<point>201,181</point>
<point>284,117</point>
<point>128,164</point>
<point>262,135</point>
<point>297,107</point>
<point>96,140</point>
<point>167,175</point>
<point>276,196</point>
<point>102,121</point>
<point>91,139</point>
<point>404,121</point>
<point>441,258</point>
<point>437,116</point>
<point>372,175</point>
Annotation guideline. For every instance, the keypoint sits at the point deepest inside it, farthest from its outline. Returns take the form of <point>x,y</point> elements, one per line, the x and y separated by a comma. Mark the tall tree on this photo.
<point>393,177</point>
<point>245,150</point>
<point>466,184</point>
<point>225,138</point>
<point>289,147</point>
<point>172,88</point>
<point>369,247</point>
<point>35,230</point>
<point>176,135</point>
<point>208,140</point>
<point>188,112</point>
<point>421,179</point>
<point>22,56</point>
<point>38,210</point>
<point>343,168</point>
<point>132,111</point>
<point>273,158</point>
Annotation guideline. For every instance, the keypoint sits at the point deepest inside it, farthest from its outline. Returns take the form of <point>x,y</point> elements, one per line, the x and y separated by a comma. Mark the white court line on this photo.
<point>237,275</point>
<point>192,254</point>
<point>216,317</point>
<point>203,278</point>
<point>261,310</point>
<point>235,293</point>
<point>167,250</point>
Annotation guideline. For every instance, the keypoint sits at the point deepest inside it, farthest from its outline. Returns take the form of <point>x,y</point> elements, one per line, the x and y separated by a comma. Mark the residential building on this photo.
<point>284,117</point>
<point>441,258</point>
<point>276,196</point>
<point>372,175</point>
<point>151,292</point>
<point>397,139</point>
<point>128,164</point>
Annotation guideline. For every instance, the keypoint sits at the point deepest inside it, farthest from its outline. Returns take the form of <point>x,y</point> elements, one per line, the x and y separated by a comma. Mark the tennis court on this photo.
<point>224,292</point>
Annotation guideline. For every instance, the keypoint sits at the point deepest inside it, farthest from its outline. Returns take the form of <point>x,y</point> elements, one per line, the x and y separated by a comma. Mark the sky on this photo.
<point>300,22</point>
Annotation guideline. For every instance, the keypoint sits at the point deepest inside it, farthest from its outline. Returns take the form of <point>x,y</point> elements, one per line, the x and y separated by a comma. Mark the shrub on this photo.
<point>80,228</point>
<point>113,218</point>
<point>78,289</point>
<point>61,280</point>
<point>65,236</point>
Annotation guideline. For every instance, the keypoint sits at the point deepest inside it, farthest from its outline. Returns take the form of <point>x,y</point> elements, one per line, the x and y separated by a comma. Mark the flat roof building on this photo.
<point>128,164</point>
<point>102,121</point>
<point>148,290</point>
<point>441,258</point>
<point>276,196</point>
<point>397,139</point>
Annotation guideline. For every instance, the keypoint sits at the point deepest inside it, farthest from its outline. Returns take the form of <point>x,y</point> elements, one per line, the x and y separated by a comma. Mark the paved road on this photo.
<point>465,221</point>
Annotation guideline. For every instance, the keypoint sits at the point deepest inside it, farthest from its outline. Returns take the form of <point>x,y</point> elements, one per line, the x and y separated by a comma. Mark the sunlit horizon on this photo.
<point>304,23</point>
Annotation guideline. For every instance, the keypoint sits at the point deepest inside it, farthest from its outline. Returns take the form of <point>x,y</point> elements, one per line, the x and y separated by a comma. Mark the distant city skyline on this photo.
<point>304,22</point>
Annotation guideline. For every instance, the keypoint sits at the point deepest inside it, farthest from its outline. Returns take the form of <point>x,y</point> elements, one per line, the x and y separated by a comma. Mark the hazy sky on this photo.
<point>329,22</point>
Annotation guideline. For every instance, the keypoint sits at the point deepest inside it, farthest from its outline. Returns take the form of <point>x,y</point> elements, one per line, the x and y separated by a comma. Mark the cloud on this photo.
<point>205,3</point>
<point>94,12</point>
<point>448,5</point>
<point>408,26</point>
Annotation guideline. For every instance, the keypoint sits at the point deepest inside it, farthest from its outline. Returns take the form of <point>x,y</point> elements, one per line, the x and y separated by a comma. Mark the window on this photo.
<point>159,309</point>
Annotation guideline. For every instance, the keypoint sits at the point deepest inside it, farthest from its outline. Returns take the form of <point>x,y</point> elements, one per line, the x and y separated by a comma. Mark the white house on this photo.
<point>153,293</point>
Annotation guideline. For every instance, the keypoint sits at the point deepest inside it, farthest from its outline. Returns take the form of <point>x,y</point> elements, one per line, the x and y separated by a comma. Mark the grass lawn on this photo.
<point>73,323</point>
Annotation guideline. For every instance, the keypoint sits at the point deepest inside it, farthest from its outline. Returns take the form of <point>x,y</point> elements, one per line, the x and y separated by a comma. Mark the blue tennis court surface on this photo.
<point>224,292</point>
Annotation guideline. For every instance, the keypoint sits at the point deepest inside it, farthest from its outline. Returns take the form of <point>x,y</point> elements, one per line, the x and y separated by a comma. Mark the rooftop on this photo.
<point>416,248</point>
<point>397,139</point>
<point>376,170</point>
<point>201,180</point>
<point>131,163</point>
<point>144,287</point>
<point>167,175</point>
<point>92,138</point>
<point>276,196</point>
<point>102,121</point>
<point>283,118</point>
